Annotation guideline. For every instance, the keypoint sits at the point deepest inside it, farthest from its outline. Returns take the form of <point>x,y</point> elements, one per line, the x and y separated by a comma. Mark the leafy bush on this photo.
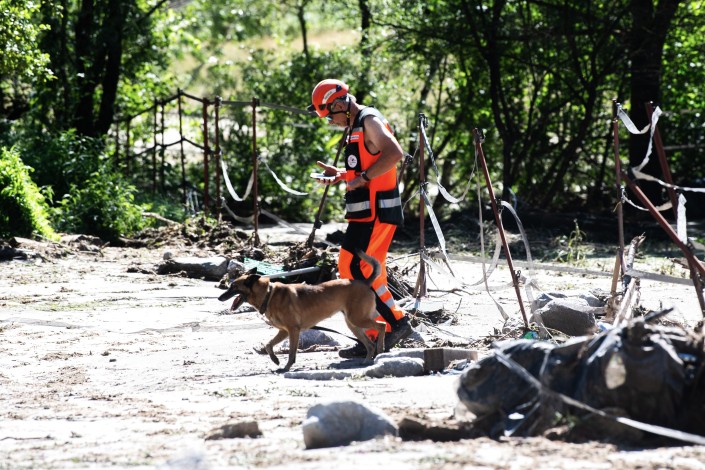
<point>103,206</point>
<point>23,208</point>
<point>61,160</point>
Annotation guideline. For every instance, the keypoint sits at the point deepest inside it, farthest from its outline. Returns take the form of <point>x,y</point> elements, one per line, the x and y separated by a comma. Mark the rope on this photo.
<point>437,228</point>
<point>279,181</point>
<point>243,220</point>
<point>633,129</point>
<point>229,185</point>
<point>643,176</point>
<point>448,197</point>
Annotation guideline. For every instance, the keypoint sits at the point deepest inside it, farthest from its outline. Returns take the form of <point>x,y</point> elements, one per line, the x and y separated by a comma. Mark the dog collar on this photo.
<point>265,302</point>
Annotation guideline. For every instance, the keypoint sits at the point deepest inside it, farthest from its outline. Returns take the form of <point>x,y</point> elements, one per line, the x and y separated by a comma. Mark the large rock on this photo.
<point>210,269</point>
<point>339,423</point>
<point>570,315</point>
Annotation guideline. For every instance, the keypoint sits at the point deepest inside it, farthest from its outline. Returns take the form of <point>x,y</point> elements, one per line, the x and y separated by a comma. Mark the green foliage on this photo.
<point>684,73</point>
<point>103,206</point>
<point>91,197</point>
<point>21,56</point>
<point>61,160</point>
<point>538,77</point>
<point>23,208</point>
<point>168,207</point>
<point>571,249</point>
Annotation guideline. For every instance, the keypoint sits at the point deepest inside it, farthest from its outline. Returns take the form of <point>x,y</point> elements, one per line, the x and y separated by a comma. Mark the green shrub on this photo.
<point>102,206</point>
<point>23,208</point>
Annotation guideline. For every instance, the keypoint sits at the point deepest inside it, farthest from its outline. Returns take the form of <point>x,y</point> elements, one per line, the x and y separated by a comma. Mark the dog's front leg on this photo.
<point>269,347</point>
<point>293,346</point>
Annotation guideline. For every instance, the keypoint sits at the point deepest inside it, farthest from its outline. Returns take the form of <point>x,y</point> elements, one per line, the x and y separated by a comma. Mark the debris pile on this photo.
<point>644,372</point>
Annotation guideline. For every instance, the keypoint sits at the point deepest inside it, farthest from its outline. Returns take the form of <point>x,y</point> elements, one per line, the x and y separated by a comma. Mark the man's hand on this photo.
<point>330,170</point>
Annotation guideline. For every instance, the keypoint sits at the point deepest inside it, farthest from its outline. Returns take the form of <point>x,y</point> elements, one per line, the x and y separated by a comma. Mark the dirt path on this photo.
<point>101,367</point>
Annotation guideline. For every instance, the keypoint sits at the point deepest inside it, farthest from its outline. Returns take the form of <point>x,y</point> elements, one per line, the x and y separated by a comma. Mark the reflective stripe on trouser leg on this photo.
<point>374,238</point>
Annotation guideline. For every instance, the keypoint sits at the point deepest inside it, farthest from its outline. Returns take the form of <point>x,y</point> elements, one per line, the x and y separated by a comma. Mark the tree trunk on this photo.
<point>363,86</point>
<point>649,29</point>
<point>300,14</point>
<point>112,37</point>
<point>84,47</point>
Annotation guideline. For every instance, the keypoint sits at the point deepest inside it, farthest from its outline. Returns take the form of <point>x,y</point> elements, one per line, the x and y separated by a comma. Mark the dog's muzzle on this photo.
<point>230,293</point>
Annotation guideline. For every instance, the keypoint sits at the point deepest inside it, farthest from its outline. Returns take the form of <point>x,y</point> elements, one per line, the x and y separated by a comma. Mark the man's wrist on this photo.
<point>364,176</point>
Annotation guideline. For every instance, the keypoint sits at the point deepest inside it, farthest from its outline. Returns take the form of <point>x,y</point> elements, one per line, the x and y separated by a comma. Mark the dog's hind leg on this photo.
<point>293,346</point>
<point>361,335</point>
<point>269,347</point>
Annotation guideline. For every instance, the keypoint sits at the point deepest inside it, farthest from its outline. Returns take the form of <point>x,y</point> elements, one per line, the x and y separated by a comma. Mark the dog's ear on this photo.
<point>251,279</point>
<point>252,271</point>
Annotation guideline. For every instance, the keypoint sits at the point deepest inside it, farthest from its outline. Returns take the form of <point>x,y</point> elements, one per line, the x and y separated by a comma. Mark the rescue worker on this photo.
<point>372,202</point>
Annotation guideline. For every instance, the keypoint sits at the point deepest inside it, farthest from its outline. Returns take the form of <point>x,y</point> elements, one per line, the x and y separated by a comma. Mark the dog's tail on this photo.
<point>376,267</point>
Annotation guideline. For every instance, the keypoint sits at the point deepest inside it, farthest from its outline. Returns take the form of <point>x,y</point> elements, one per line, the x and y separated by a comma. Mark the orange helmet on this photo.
<point>324,94</point>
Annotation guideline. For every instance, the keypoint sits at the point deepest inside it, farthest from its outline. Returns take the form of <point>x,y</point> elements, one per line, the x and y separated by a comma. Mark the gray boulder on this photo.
<point>339,423</point>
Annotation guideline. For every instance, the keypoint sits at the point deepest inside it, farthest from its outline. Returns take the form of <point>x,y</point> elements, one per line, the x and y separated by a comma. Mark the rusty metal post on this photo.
<point>117,145</point>
<point>498,221</point>
<point>420,289</point>
<point>255,189</point>
<point>666,170</point>
<point>128,152</point>
<point>317,220</point>
<point>697,269</point>
<point>183,156</point>
<point>206,152</point>
<point>218,156</point>
<point>162,152</point>
<point>154,153</point>
<point>658,143</point>
<point>618,184</point>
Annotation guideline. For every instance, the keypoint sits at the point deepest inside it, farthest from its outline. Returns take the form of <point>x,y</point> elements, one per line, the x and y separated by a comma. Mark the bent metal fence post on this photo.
<point>498,220</point>
<point>420,289</point>
<point>697,269</point>
<point>218,155</point>
<point>255,191</point>
<point>181,145</point>
<point>206,151</point>
<point>154,147</point>
<point>619,261</point>
<point>665,169</point>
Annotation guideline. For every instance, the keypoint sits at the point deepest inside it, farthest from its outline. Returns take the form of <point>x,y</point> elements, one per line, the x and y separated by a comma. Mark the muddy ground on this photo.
<point>104,363</point>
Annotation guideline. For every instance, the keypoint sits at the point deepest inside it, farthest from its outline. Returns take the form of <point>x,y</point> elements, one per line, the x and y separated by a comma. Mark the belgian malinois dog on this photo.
<point>293,308</point>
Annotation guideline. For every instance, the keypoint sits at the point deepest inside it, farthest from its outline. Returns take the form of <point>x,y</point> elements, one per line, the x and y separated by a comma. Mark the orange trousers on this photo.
<point>374,238</point>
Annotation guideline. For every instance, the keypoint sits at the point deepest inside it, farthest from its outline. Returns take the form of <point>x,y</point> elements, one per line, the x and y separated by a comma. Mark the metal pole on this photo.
<point>666,170</point>
<point>117,145</point>
<point>255,189</point>
<point>128,149</point>
<point>658,143</point>
<point>420,289</point>
<point>206,151</point>
<point>618,170</point>
<point>154,153</point>
<point>183,157</point>
<point>317,221</point>
<point>162,152</point>
<point>498,221</point>
<point>218,155</point>
<point>696,267</point>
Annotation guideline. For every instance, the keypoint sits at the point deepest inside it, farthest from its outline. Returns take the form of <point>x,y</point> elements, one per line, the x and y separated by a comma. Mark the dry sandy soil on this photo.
<point>106,366</point>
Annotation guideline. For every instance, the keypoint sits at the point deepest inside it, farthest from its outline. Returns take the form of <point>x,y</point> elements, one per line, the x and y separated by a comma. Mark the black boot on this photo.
<point>398,334</point>
<point>359,350</point>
